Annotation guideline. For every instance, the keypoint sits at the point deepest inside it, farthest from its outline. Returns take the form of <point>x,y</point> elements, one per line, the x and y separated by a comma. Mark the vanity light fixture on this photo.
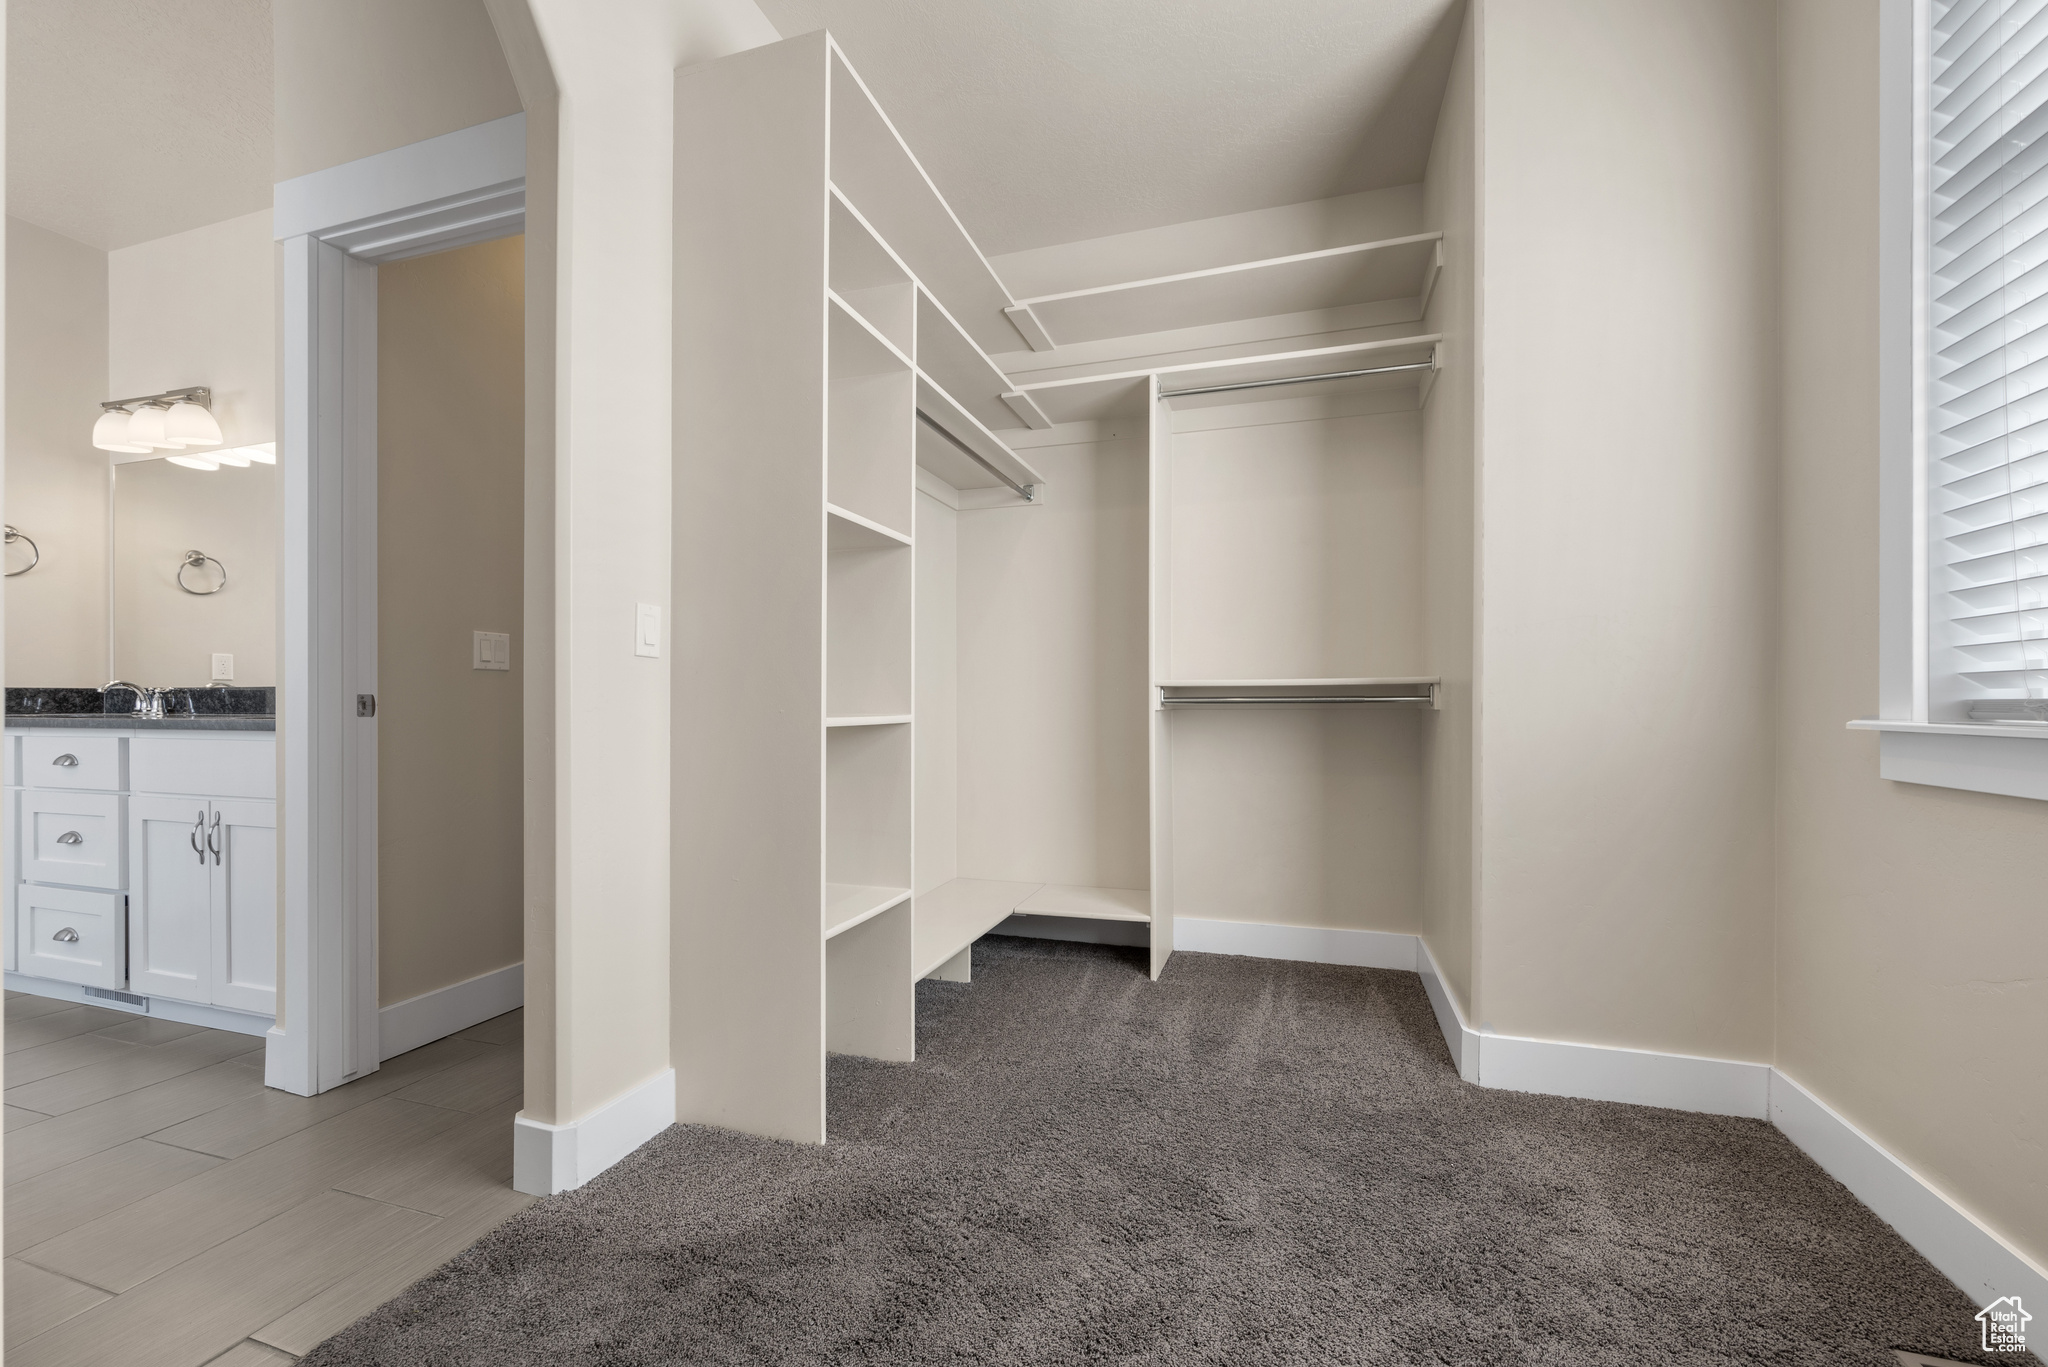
<point>110,433</point>
<point>171,421</point>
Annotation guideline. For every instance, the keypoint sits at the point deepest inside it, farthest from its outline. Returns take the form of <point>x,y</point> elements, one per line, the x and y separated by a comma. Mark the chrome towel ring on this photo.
<point>15,534</point>
<point>200,560</point>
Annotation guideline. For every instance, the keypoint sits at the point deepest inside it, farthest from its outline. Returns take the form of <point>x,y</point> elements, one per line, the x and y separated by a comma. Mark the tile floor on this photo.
<point>164,1209</point>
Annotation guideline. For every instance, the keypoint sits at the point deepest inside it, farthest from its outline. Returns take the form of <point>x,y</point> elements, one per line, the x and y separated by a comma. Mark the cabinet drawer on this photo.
<point>74,838</point>
<point>72,762</point>
<point>211,766</point>
<point>70,934</point>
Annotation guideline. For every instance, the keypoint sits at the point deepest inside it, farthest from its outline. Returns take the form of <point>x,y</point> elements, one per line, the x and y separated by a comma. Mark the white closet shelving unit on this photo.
<point>920,691</point>
<point>832,335</point>
<point>1398,270</point>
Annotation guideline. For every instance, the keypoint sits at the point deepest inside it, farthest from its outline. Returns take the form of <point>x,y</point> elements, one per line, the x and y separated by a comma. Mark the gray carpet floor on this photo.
<point>1245,1163</point>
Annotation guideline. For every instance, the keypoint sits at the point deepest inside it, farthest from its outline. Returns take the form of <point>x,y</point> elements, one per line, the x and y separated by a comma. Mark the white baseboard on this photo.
<point>1305,944</point>
<point>1462,1039</point>
<point>166,1008</point>
<point>404,1026</point>
<point>1679,1082</point>
<point>553,1158</point>
<point>1984,1265</point>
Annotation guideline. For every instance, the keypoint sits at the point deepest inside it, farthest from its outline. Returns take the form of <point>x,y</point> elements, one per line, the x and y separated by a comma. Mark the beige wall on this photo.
<point>1450,492</point>
<point>1052,676</point>
<point>357,79</point>
<point>197,308</point>
<point>449,506</point>
<point>56,480</point>
<point>1912,953</point>
<point>163,635</point>
<point>1628,514</point>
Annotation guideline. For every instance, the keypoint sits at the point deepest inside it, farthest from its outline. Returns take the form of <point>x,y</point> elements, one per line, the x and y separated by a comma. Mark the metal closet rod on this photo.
<point>1029,492</point>
<point>1297,379</point>
<point>1210,702</point>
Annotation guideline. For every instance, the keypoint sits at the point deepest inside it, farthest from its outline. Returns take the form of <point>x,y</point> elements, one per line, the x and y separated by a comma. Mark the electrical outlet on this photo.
<point>490,650</point>
<point>647,636</point>
<point>223,668</point>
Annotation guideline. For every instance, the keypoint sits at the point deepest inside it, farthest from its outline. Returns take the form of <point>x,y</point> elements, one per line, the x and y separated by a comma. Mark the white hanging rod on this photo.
<point>1029,492</point>
<point>1212,702</point>
<point>1297,379</point>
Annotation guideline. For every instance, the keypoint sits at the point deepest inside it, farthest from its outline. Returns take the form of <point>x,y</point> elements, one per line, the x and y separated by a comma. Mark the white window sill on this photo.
<point>1987,758</point>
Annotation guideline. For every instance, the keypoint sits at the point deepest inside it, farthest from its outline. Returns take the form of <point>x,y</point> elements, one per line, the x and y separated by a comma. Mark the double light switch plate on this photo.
<point>491,650</point>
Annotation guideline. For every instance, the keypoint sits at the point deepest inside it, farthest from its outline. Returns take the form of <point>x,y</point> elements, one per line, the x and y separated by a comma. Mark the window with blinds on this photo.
<point>1987,359</point>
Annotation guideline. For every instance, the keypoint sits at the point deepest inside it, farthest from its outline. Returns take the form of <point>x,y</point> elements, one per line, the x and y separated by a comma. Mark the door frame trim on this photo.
<point>334,228</point>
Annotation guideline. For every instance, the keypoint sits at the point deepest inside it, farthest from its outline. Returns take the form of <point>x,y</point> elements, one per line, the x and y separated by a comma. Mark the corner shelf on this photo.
<point>1396,270</point>
<point>849,904</point>
<point>955,914</point>
<point>1123,393</point>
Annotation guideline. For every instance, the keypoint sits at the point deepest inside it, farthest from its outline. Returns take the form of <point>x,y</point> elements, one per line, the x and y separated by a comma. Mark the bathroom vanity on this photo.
<point>141,855</point>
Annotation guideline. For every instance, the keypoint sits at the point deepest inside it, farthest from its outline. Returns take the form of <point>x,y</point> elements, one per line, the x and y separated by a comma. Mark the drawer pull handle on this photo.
<point>66,936</point>
<point>71,838</point>
<point>197,835</point>
<point>66,761</point>
<point>213,839</point>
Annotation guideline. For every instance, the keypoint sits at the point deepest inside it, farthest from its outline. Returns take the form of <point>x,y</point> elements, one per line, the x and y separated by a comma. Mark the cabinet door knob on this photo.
<point>66,936</point>
<point>71,838</point>
<point>66,761</point>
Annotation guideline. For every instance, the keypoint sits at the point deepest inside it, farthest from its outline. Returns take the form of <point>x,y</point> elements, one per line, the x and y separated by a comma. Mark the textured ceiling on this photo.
<point>1048,121</point>
<point>134,119</point>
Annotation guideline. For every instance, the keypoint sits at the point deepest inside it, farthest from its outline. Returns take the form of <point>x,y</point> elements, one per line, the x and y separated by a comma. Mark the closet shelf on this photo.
<point>1095,904</point>
<point>896,719</point>
<point>858,347</point>
<point>985,463</point>
<point>957,364</point>
<point>1395,365</point>
<point>849,904</point>
<point>1400,271</point>
<point>859,259</point>
<point>874,168</point>
<point>954,915</point>
<point>847,531</point>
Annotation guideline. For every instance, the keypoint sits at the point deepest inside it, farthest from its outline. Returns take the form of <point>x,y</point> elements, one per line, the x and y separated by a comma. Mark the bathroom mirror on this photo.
<point>194,574</point>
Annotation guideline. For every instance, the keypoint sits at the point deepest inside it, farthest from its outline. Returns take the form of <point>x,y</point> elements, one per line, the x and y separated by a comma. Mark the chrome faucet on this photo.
<point>149,702</point>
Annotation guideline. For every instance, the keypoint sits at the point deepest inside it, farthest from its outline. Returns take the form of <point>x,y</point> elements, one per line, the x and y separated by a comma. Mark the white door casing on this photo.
<point>335,227</point>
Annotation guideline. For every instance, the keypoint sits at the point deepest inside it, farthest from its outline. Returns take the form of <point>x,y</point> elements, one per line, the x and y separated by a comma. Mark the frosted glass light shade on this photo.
<point>195,460</point>
<point>146,429</point>
<point>190,425</point>
<point>110,433</point>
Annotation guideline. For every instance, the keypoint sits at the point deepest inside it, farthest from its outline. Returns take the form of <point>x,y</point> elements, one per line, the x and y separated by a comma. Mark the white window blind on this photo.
<point>1987,358</point>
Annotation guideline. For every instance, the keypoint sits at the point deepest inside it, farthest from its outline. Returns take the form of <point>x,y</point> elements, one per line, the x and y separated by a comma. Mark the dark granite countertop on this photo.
<point>57,721</point>
<point>185,709</point>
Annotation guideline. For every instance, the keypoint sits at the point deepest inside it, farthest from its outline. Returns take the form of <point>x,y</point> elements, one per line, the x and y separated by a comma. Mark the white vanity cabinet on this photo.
<point>202,900</point>
<point>145,861</point>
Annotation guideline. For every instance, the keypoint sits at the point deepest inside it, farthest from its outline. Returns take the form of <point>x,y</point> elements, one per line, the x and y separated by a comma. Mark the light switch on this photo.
<point>223,669</point>
<point>647,636</point>
<point>491,650</point>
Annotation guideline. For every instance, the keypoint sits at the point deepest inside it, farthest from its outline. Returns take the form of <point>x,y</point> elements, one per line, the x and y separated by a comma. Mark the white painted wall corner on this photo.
<point>405,1026</point>
<point>547,1159</point>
